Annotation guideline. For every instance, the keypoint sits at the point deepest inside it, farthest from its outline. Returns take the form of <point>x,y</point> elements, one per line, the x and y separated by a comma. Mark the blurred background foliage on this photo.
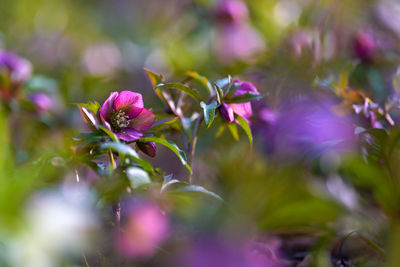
<point>309,200</point>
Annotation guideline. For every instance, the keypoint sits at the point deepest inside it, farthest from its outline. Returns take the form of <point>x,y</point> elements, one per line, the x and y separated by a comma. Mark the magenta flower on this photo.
<point>125,115</point>
<point>244,110</point>
<point>365,46</point>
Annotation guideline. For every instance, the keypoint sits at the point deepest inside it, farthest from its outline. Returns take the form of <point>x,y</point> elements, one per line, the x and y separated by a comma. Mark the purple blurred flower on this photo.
<point>19,69</point>
<point>41,101</point>
<point>233,253</point>
<point>143,231</point>
<point>244,110</point>
<point>15,71</point>
<point>125,115</point>
<point>365,46</point>
<point>231,11</point>
<point>307,126</point>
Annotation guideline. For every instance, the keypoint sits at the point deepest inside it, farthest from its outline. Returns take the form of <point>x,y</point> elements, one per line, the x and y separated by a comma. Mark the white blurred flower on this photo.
<point>57,223</point>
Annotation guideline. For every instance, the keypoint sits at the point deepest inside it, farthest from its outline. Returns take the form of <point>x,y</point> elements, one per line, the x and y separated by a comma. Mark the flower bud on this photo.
<point>226,112</point>
<point>149,148</point>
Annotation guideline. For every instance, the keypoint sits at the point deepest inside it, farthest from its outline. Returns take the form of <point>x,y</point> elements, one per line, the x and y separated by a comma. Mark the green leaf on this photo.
<point>91,106</point>
<point>125,150</point>
<point>234,131</point>
<point>39,83</point>
<point>243,98</point>
<point>209,112</point>
<point>219,93</point>
<point>109,133</point>
<point>137,177</point>
<point>203,80</point>
<point>224,83</point>
<point>172,146</point>
<point>177,86</point>
<point>186,188</point>
<point>154,77</point>
<point>232,89</point>
<point>246,127</point>
<point>163,123</point>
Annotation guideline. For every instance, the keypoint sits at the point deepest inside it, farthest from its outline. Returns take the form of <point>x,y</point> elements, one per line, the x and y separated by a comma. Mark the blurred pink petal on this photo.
<point>143,121</point>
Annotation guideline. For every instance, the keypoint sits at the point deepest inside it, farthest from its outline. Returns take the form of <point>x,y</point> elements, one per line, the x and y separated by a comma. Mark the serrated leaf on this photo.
<point>203,80</point>
<point>177,86</point>
<point>137,177</point>
<point>154,77</point>
<point>234,131</point>
<point>246,127</point>
<point>91,106</point>
<point>209,112</point>
<point>172,146</point>
<point>243,98</point>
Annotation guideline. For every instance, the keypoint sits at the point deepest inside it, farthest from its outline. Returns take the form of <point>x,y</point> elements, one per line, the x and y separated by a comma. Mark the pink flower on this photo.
<point>145,229</point>
<point>244,110</point>
<point>231,11</point>
<point>125,115</point>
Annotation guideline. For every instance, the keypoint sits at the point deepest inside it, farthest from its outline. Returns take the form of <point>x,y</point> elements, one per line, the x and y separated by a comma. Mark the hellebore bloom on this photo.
<point>145,228</point>
<point>125,115</point>
<point>244,110</point>
<point>41,101</point>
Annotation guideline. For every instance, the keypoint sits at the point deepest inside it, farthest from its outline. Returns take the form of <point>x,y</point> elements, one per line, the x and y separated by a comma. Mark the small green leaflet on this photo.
<point>246,127</point>
<point>154,77</point>
<point>203,80</point>
<point>177,86</point>
<point>243,98</point>
<point>209,111</point>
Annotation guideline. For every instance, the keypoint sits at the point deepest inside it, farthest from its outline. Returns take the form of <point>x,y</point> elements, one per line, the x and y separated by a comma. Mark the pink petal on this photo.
<point>129,134</point>
<point>243,109</point>
<point>245,87</point>
<point>107,109</point>
<point>143,121</point>
<point>130,102</point>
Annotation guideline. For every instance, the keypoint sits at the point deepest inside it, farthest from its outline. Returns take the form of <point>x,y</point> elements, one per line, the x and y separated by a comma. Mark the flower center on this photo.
<point>120,120</point>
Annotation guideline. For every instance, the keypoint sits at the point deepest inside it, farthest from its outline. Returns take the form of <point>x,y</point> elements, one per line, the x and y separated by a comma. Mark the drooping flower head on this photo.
<point>125,115</point>
<point>242,109</point>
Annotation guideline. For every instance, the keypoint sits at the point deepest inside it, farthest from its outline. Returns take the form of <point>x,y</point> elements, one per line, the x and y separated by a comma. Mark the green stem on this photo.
<point>116,208</point>
<point>193,143</point>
